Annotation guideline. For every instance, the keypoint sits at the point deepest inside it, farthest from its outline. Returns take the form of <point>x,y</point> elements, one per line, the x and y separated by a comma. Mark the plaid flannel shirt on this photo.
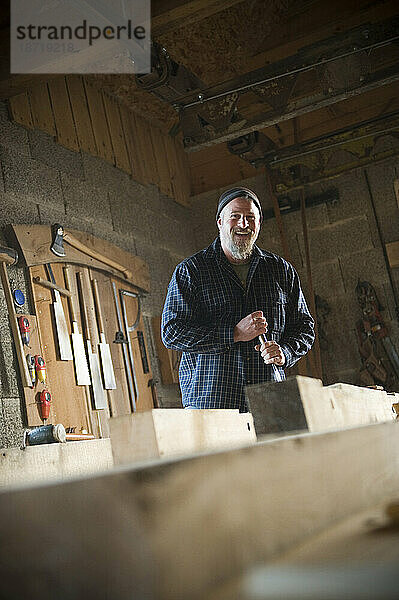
<point>205,301</point>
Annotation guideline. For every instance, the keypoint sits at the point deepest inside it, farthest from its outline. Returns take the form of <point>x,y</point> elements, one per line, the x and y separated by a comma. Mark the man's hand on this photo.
<point>250,327</point>
<point>271,353</point>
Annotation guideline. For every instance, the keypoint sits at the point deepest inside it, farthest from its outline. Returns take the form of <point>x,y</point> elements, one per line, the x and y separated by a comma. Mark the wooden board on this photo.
<point>119,398</point>
<point>21,110</point>
<point>42,111</point>
<point>308,405</point>
<point>99,123</point>
<point>393,254</point>
<point>111,108</point>
<point>32,414</point>
<point>80,112</point>
<point>68,400</point>
<point>35,242</point>
<point>64,123</point>
<point>161,161</point>
<point>165,432</point>
<point>145,401</point>
<point>168,359</point>
<point>146,157</point>
<point>231,510</point>
<point>54,462</point>
<point>184,175</point>
<point>128,126</point>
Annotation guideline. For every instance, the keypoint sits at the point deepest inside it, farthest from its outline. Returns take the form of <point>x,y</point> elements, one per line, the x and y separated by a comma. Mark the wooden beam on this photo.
<point>315,24</point>
<point>308,405</point>
<point>171,15</point>
<point>54,461</point>
<point>231,510</point>
<point>166,432</point>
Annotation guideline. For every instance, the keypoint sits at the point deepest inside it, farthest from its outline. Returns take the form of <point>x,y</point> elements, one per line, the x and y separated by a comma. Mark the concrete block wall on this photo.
<point>344,247</point>
<point>41,182</point>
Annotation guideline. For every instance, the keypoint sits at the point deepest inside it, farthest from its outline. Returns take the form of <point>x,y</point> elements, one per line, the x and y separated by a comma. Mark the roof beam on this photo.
<point>171,15</point>
<point>320,75</point>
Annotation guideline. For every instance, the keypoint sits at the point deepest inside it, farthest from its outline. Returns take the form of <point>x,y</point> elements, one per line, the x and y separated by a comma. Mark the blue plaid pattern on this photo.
<point>205,301</point>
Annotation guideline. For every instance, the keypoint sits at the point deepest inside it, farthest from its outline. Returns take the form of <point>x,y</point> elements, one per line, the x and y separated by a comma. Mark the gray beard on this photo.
<point>242,251</point>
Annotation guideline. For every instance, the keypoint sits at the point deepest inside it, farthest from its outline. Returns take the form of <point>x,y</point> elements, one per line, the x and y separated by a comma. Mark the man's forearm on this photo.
<point>182,336</point>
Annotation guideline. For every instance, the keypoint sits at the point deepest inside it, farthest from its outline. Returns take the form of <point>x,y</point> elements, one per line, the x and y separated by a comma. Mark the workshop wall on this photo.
<point>344,247</point>
<point>42,182</point>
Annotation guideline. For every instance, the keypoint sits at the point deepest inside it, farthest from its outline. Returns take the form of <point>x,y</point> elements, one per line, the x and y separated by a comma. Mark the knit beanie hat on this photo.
<point>238,192</point>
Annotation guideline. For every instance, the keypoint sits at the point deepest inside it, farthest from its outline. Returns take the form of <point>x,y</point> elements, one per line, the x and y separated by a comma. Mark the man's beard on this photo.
<point>241,249</point>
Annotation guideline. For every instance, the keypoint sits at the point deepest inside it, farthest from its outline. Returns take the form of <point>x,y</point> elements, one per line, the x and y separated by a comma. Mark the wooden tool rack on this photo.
<point>72,404</point>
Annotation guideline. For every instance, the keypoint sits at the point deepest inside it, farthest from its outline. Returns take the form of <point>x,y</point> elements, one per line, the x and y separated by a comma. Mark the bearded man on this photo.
<point>224,298</point>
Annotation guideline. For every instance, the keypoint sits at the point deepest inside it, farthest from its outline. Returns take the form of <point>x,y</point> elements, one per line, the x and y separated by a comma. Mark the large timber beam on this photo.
<point>173,14</point>
<point>174,530</point>
<point>320,75</point>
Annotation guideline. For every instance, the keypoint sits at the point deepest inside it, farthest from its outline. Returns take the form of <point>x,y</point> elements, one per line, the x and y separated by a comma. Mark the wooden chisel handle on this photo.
<point>72,241</point>
<point>51,286</point>
<point>98,305</point>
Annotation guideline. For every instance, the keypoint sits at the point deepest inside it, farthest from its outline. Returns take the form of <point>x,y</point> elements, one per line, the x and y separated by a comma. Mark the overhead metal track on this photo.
<point>337,68</point>
<point>312,161</point>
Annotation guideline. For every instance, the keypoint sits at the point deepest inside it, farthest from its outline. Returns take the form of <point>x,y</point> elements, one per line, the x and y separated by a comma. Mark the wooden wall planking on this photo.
<point>118,142</point>
<point>81,117</point>
<point>42,111</point>
<point>99,122</point>
<point>21,110</point>
<point>128,126</point>
<point>64,123</point>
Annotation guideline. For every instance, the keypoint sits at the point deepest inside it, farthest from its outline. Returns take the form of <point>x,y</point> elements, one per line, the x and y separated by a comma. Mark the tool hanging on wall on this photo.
<point>24,328</point>
<point>40,367</point>
<point>57,247</point>
<point>103,347</point>
<point>19,298</point>
<point>383,247</point>
<point>373,327</point>
<point>81,368</point>
<point>129,329</point>
<point>143,352</point>
<point>44,405</point>
<point>64,344</point>
<point>51,286</point>
<point>120,338</point>
<point>30,361</point>
<point>99,397</point>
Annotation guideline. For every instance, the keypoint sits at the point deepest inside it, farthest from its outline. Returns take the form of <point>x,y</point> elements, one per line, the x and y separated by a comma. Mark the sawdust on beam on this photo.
<point>222,45</point>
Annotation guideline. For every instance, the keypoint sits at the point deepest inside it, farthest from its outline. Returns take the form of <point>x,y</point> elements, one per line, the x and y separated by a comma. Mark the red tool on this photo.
<point>24,328</point>
<point>44,402</point>
<point>40,367</point>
